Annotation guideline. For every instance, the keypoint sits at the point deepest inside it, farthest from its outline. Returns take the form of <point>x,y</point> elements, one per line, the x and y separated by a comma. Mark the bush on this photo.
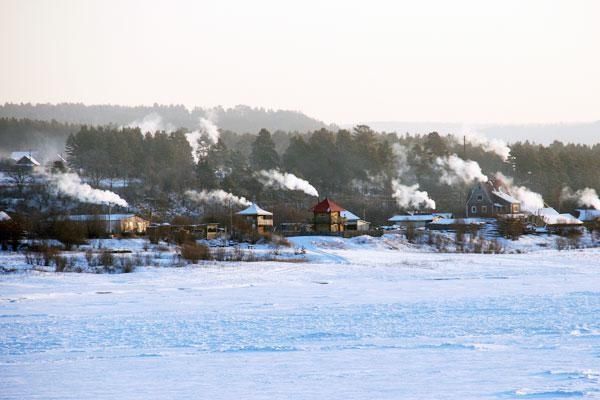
<point>106,259</point>
<point>195,252</point>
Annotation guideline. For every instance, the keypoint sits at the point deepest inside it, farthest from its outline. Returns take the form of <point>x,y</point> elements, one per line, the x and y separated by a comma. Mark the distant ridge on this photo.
<point>583,132</point>
<point>240,119</point>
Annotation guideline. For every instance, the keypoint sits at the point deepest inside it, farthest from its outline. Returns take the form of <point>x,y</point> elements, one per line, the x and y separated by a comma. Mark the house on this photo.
<point>27,161</point>
<point>167,232</point>
<point>260,220</point>
<point>453,224</point>
<point>549,220</point>
<point>353,223</point>
<point>113,223</point>
<point>587,215</point>
<point>294,228</point>
<point>328,217</point>
<point>489,199</point>
<point>416,220</point>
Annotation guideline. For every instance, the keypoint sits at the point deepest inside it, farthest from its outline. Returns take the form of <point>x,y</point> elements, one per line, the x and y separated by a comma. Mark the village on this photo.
<point>490,214</point>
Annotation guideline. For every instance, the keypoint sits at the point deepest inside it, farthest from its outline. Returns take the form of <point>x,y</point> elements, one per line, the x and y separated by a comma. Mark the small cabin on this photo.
<point>260,220</point>
<point>551,221</point>
<point>114,223</point>
<point>353,223</point>
<point>489,199</point>
<point>328,217</point>
<point>416,220</point>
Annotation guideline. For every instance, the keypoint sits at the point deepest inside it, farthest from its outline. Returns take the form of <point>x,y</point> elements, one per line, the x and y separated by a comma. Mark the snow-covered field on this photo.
<point>363,319</point>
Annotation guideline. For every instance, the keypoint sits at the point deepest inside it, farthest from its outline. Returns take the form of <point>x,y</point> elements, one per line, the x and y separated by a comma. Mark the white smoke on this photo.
<point>207,128</point>
<point>411,196</point>
<point>286,180</point>
<point>151,123</point>
<point>216,196</point>
<point>530,200</point>
<point>454,169</point>
<point>584,197</point>
<point>70,184</point>
<point>493,145</point>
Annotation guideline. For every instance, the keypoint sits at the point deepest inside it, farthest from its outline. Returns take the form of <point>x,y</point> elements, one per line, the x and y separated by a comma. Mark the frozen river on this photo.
<point>376,324</point>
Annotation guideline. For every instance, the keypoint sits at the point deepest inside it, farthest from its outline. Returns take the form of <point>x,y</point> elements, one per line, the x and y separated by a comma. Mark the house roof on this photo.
<point>28,160</point>
<point>99,217</point>
<point>412,218</point>
<point>327,206</point>
<point>17,155</point>
<point>253,210</point>
<point>4,216</point>
<point>552,217</point>
<point>459,221</point>
<point>505,196</point>
<point>588,215</point>
<point>349,216</point>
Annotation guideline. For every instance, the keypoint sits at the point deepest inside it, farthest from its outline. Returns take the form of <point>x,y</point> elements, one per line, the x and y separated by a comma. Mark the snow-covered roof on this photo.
<point>588,215</point>
<point>412,218</point>
<point>253,210</point>
<point>17,155</point>
<point>349,216</point>
<point>461,221</point>
<point>547,211</point>
<point>99,217</point>
<point>28,160</point>
<point>560,219</point>
<point>504,196</point>
<point>4,216</point>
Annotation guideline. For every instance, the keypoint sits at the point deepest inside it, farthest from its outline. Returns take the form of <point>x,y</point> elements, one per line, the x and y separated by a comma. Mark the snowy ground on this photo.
<point>363,319</point>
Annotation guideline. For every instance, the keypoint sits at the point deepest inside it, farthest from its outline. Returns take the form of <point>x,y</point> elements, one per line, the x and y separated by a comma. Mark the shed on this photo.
<point>114,223</point>
<point>354,223</point>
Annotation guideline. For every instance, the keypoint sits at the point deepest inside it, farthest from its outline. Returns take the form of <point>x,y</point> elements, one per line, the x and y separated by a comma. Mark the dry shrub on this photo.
<point>195,252</point>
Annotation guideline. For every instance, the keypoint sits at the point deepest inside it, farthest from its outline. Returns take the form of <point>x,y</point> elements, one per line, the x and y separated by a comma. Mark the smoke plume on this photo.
<point>454,169</point>
<point>151,123</point>
<point>411,196</point>
<point>496,146</point>
<point>216,196</point>
<point>70,184</point>
<point>208,129</point>
<point>286,180</point>
<point>530,200</point>
<point>584,197</point>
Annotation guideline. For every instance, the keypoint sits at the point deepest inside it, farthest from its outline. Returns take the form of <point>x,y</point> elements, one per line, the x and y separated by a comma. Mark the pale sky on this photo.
<point>340,61</point>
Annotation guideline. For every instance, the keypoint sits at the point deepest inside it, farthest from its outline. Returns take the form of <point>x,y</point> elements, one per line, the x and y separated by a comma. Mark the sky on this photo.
<point>341,61</point>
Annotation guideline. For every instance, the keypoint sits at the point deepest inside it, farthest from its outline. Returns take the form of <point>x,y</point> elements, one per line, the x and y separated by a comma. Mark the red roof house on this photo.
<point>328,217</point>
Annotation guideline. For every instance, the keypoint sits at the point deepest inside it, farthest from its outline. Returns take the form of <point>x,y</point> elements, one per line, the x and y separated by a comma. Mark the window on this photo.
<point>474,209</point>
<point>483,209</point>
<point>480,198</point>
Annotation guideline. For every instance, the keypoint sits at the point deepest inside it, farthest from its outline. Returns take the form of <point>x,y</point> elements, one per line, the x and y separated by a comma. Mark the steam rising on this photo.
<point>584,197</point>
<point>454,170</point>
<point>411,196</point>
<point>496,146</point>
<point>530,200</point>
<point>70,184</point>
<point>206,128</point>
<point>216,196</point>
<point>286,180</point>
<point>152,123</point>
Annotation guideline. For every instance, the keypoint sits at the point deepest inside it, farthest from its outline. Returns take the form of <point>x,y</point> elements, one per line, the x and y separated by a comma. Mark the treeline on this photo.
<point>240,119</point>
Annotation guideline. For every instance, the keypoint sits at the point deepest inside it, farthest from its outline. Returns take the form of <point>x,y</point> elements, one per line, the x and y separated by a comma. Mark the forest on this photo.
<point>355,167</point>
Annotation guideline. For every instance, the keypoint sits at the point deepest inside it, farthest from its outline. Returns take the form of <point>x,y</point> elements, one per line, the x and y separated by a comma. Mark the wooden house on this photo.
<point>416,220</point>
<point>328,217</point>
<point>113,223</point>
<point>353,223</point>
<point>260,220</point>
<point>489,199</point>
<point>551,221</point>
